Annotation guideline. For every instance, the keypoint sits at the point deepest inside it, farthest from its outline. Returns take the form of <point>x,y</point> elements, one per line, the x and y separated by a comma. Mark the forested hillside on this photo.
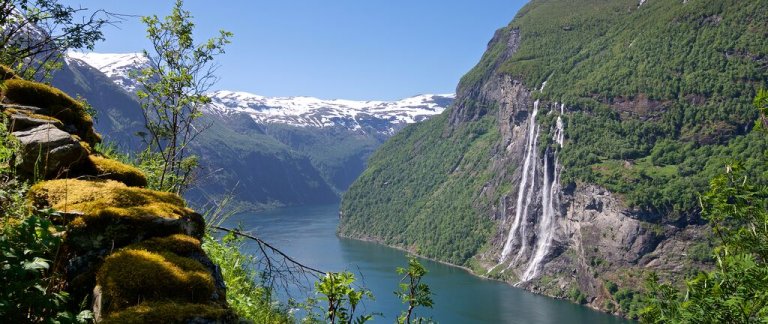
<point>654,99</point>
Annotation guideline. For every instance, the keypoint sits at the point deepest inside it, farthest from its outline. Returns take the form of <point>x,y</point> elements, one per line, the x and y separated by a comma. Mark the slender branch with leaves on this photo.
<point>413,292</point>
<point>173,91</point>
<point>34,34</point>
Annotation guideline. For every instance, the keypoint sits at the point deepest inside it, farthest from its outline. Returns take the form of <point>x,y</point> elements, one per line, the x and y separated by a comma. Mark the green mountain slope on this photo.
<point>657,99</point>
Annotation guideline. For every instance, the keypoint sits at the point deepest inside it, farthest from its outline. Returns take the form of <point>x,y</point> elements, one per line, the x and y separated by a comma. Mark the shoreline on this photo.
<point>468,270</point>
<point>472,273</point>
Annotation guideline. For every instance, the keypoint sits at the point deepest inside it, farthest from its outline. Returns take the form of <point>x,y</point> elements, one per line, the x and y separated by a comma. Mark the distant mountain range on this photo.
<point>291,150</point>
<point>385,117</point>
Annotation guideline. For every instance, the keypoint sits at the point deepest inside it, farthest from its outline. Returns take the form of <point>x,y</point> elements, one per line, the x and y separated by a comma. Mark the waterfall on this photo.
<point>529,170</point>
<point>549,190</point>
<point>526,194</point>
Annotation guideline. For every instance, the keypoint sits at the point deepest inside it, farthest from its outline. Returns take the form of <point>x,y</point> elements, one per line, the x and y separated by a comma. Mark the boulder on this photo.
<point>48,151</point>
<point>21,122</point>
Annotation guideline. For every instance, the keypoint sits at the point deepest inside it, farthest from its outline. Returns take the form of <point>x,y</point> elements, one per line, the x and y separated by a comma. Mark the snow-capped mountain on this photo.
<point>384,116</point>
<point>119,68</point>
<point>380,116</point>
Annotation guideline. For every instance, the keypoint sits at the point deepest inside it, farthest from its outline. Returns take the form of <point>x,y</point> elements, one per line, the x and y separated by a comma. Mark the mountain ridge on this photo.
<point>266,151</point>
<point>301,111</point>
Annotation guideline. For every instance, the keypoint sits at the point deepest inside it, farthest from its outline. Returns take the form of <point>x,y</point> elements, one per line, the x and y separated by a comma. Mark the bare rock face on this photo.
<point>48,150</point>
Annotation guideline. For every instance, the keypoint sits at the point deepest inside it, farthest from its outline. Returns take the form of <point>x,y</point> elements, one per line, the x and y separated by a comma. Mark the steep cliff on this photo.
<point>572,157</point>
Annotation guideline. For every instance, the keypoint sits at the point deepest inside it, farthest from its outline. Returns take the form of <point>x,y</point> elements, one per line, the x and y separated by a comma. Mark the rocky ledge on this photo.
<point>134,253</point>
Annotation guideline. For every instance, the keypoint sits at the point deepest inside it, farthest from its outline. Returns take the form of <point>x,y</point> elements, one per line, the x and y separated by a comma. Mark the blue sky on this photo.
<point>351,49</point>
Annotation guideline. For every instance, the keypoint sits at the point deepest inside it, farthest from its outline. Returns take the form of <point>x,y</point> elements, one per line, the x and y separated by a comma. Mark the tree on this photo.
<point>34,34</point>
<point>412,291</point>
<point>336,289</point>
<point>173,92</point>
<point>736,291</point>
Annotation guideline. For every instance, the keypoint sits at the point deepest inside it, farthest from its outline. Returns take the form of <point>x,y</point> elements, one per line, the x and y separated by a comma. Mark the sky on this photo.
<point>332,49</point>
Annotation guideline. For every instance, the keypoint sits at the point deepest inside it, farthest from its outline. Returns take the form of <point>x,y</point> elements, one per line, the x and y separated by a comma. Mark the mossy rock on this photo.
<point>109,213</point>
<point>106,168</point>
<point>7,73</point>
<point>132,275</point>
<point>59,105</point>
<point>25,119</point>
<point>165,312</point>
<point>178,243</point>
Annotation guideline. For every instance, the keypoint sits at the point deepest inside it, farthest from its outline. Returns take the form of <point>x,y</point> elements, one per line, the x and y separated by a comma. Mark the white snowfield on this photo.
<point>384,116</point>
<point>118,67</point>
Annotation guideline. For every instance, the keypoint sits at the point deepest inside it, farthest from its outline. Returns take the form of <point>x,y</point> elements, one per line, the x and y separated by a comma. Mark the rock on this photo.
<point>48,150</point>
<point>21,122</point>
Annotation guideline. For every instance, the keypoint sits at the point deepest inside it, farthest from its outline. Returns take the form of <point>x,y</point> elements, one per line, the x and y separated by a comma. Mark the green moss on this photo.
<point>7,73</point>
<point>96,199</point>
<point>165,312</point>
<point>177,243</point>
<point>59,104</point>
<point>132,275</point>
<point>114,170</point>
<point>109,213</point>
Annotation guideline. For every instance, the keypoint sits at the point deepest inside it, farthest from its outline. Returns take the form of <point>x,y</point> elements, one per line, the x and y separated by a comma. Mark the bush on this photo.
<point>245,295</point>
<point>27,292</point>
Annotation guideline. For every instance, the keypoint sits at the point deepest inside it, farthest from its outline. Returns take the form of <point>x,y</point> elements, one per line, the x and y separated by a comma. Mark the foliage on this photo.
<point>34,34</point>
<point>336,288</point>
<point>8,144</point>
<point>245,295</point>
<point>658,99</point>
<point>29,292</point>
<point>652,113</point>
<point>173,91</point>
<point>413,292</point>
<point>419,191</point>
<point>734,292</point>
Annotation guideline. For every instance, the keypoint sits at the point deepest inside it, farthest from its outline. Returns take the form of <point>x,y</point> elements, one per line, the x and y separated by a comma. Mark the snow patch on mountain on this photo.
<point>384,116</point>
<point>120,68</point>
<point>380,116</point>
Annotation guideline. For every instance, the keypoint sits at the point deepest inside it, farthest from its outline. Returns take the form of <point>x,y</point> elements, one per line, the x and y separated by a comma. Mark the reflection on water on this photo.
<point>308,234</point>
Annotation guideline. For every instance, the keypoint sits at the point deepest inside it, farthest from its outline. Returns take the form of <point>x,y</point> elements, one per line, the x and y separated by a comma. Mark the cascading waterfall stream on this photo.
<point>528,169</point>
<point>550,188</point>
<point>549,191</point>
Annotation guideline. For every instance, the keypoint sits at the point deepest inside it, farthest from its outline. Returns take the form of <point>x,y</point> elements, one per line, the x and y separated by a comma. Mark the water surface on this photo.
<point>308,234</point>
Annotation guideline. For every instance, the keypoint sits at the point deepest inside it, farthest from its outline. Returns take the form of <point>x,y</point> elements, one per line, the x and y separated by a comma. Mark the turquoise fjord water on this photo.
<point>308,234</point>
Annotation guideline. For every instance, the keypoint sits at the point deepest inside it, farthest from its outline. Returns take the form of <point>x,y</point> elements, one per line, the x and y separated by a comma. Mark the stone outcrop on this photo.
<point>47,150</point>
<point>135,253</point>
